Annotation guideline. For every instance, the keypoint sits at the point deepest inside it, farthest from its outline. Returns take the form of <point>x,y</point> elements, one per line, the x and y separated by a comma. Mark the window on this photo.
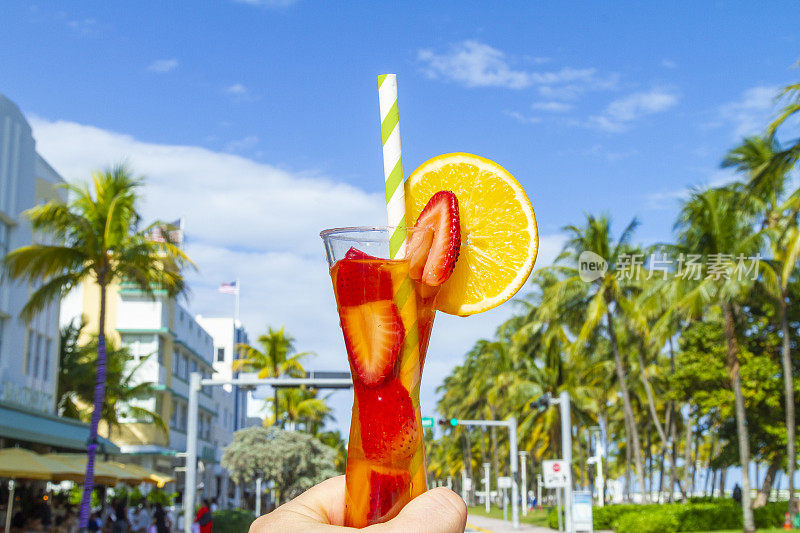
<point>28,349</point>
<point>37,355</point>
<point>46,369</point>
<point>220,354</point>
<point>176,363</point>
<point>183,417</point>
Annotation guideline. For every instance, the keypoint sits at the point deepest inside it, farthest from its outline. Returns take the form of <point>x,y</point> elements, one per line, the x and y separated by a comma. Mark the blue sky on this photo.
<point>258,120</point>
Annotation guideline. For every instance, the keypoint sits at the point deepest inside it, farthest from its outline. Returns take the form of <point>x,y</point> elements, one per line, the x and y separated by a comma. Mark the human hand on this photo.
<point>321,510</point>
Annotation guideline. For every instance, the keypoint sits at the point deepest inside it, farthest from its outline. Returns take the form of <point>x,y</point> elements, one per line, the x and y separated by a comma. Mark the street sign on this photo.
<point>427,421</point>
<point>504,482</point>
<point>555,474</point>
<point>468,483</point>
<point>582,511</point>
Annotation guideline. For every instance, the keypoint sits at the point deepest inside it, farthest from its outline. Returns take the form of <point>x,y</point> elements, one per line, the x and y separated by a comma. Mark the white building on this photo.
<point>227,334</point>
<point>174,344</point>
<point>28,352</point>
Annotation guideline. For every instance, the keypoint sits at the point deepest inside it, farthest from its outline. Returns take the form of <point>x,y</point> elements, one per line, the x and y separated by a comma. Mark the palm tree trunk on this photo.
<point>99,394</point>
<point>741,416</point>
<point>763,495</point>
<point>687,455</point>
<point>627,469</point>
<point>722,475</point>
<point>630,423</point>
<point>651,401</point>
<point>788,386</point>
<point>661,460</point>
<point>696,460</point>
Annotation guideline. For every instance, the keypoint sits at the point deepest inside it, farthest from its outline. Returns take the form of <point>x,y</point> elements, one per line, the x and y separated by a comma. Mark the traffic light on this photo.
<point>543,402</point>
<point>452,422</point>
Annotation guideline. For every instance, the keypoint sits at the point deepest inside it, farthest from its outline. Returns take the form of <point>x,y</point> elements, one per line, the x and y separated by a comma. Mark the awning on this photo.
<point>28,426</point>
<point>27,464</point>
<point>19,463</point>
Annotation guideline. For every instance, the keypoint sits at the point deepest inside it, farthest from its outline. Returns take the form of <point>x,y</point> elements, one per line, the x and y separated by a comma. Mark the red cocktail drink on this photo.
<point>386,318</point>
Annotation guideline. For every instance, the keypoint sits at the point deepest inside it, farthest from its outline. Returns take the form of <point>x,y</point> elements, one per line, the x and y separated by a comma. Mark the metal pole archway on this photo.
<point>196,383</point>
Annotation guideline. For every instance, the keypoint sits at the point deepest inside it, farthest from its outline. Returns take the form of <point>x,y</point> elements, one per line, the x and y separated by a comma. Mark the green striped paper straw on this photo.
<point>392,163</point>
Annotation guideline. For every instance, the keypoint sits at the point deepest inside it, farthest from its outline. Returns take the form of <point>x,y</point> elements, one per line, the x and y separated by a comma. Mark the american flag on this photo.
<point>231,287</point>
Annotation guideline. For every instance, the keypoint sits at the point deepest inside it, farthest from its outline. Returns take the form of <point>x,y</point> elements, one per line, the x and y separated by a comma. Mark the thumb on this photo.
<point>436,511</point>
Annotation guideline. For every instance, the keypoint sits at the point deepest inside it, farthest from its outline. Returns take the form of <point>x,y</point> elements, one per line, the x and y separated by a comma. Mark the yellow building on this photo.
<point>173,344</point>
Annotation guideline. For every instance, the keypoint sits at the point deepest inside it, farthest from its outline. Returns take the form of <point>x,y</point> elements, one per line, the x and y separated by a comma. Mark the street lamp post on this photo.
<point>486,485</point>
<point>566,451</point>
<point>522,456</point>
<point>258,496</point>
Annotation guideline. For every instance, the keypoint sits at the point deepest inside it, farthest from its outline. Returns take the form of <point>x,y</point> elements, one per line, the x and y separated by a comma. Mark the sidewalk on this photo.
<point>484,524</point>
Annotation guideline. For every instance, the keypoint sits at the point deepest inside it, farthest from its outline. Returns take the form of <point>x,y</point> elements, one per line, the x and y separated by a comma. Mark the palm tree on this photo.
<point>713,224</point>
<point>276,358</point>
<point>76,382</point>
<point>98,240</point>
<point>598,302</point>
<point>300,404</point>
<point>791,96</point>
<point>767,170</point>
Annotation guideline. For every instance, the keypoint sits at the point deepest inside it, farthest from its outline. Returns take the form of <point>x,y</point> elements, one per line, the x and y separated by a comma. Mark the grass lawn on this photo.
<point>535,518</point>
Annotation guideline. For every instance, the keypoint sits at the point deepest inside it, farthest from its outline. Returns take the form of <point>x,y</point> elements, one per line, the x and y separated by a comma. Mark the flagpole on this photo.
<point>236,309</point>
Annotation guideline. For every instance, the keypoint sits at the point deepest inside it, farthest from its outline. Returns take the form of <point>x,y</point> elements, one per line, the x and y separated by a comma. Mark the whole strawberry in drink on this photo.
<point>387,307</point>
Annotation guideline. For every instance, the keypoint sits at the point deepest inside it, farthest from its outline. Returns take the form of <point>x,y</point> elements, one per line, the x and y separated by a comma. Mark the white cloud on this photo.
<point>669,63</point>
<point>750,113</point>
<point>669,199</point>
<point>260,224</point>
<point>552,107</point>
<point>243,220</point>
<point>240,145</point>
<point>620,113</point>
<point>163,65</point>
<point>521,118</point>
<point>239,93</point>
<point>474,64</point>
<point>85,26</point>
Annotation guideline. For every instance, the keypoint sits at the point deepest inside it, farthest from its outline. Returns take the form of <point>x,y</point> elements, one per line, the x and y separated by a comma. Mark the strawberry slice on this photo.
<point>360,279</point>
<point>355,253</point>
<point>373,335</point>
<point>388,422</point>
<point>389,491</point>
<point>438,253</point>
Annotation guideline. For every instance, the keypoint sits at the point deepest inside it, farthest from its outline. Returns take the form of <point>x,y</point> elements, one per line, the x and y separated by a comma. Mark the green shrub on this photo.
<point>702,514</point>
<point>552,518</point>
<point>160,496</point>
<point>663,520</point>
<point>605,517</point>
<point>771,515</point>
<point>232,521</point>
<point>709,516</point>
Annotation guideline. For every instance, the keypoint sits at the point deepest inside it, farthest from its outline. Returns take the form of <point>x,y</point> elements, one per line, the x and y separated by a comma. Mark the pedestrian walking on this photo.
<point>204,518</point>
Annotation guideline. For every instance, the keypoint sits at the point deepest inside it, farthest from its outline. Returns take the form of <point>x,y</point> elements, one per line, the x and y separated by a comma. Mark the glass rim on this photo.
<point>347,232</point>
